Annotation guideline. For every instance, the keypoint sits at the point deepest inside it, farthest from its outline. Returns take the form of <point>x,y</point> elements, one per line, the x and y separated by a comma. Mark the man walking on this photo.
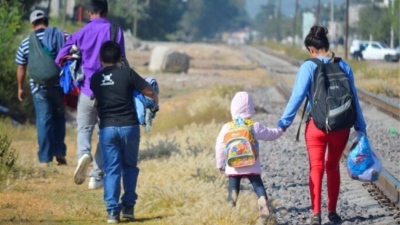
<point>356,44</point>
<point>36,53</point>
<point>89,40</point>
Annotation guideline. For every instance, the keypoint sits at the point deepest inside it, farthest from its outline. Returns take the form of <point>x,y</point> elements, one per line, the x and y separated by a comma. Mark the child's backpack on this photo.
<point>333,106</point>
<point>362,163</point>
<point>241,148</point>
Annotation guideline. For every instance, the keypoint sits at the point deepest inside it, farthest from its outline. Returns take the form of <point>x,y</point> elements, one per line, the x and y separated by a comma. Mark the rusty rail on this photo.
<point>382,104</point>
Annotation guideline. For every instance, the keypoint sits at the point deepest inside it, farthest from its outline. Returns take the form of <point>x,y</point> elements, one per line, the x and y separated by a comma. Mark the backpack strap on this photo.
<point>64,34</point>
<point>314,60</point>
<point>301,120</point>
<point>247,122</point>
<point>337,60</point>
<point>114,32</point>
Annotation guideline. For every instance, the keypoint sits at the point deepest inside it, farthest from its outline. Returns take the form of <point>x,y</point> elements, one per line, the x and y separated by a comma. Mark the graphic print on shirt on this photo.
<point>107,80</point>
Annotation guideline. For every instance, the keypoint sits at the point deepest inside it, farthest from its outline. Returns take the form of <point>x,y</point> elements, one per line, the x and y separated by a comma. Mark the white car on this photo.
<point>374,50</point>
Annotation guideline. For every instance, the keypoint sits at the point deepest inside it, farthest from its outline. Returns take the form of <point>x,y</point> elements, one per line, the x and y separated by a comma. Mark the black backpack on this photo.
<point>333,107</point>
<point>114,35</point>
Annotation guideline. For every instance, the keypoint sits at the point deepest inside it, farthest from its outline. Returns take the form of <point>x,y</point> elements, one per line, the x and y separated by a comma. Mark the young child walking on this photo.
<point>119,134</point>
<point>237,150</point>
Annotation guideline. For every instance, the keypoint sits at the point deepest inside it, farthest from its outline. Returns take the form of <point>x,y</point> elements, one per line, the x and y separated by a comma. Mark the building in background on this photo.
<point>353,14</point>
<point>308,22</point>
<point>335,30</point>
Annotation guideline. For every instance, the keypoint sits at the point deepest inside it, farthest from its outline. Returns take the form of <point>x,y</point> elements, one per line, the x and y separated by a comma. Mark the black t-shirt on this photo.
<point>113,89</point>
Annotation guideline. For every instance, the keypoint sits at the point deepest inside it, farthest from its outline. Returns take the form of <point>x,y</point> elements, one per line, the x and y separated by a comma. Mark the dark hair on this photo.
<point>110,52</point>
<point>98,7</point>
<point>41,21</point>
<point>317,38</point>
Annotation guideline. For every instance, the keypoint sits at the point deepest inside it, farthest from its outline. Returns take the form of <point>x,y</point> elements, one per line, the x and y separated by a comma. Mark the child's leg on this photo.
<point>111,150</point>
<point>234,188</point>
<point>130,138</point>
<point>258,186</point>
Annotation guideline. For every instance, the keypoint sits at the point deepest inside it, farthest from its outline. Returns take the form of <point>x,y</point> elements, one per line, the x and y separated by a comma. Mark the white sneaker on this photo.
<point>81,169</point>
<point>95,183</point>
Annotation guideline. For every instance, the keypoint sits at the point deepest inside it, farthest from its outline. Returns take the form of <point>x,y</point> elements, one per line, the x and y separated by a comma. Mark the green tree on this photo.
<point>272,27</point>
<point>162,19</point>
<point>10,28</point>
<point>205,19</point>
<point>125,11</point>
<point>374,21</point>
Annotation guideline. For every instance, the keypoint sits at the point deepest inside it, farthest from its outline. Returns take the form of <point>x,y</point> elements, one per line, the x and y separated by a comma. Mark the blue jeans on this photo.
<point>255,180</point>
<point>120,148</point>
<point>50,123</point>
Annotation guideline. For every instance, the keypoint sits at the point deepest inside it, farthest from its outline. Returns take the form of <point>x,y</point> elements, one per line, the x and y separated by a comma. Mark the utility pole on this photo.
<point>278,28</point>
<point>64,13</point>
<point>347,30</point>
<point>135,19</point>
<point>294,22</point>
<point>318,11</point>
<point>48,7</point>
<point>391,27</point>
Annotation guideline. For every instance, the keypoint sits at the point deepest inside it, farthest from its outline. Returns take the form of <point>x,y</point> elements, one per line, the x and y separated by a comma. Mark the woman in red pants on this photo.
<point>318,140</point>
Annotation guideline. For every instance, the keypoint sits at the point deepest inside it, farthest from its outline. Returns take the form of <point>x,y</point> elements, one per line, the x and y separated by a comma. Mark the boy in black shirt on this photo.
<point>119,129</point>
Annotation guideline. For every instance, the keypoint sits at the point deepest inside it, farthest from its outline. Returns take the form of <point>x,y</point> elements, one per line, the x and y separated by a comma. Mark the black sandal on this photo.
<point>334,217</point>
<point>316,219</point>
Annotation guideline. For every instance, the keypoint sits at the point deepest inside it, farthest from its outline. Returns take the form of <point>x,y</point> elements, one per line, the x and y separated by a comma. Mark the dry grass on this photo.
<point>384,81</point>
<point>178,181</point>
<point>180,187</point>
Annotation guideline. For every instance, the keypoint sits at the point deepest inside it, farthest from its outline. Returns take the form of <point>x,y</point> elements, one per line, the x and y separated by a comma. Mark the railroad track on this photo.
<point>381,103</point>
<point>386,191</point>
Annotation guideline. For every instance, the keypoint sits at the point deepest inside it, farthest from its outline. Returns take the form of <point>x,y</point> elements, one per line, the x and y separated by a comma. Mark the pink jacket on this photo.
<point>242,105</point>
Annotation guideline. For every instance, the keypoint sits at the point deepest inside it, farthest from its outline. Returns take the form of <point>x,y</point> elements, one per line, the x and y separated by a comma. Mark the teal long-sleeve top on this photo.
<point>302,87</point>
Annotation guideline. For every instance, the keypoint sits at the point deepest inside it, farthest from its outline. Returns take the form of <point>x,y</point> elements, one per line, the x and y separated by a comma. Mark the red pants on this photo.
<point>316,141</point>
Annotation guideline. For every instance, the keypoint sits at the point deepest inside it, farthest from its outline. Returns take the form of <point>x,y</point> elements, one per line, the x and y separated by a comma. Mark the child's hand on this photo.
<point>284,129</point>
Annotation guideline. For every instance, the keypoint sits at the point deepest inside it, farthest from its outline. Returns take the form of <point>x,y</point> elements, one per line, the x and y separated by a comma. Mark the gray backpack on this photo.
<point>41,67</point>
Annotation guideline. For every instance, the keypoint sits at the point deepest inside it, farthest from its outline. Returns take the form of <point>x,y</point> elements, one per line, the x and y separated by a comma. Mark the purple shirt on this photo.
<point>89,40</point>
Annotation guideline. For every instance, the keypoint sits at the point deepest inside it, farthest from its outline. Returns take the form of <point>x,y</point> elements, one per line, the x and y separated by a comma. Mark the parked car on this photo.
<point>374,50</point>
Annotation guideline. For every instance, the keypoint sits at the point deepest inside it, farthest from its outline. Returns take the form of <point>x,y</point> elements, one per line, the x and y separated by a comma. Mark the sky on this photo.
<point>287,6</point>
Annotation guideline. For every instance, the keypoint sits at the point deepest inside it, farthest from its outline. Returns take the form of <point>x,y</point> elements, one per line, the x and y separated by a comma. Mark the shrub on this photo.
<point>163,148</point>
<point>10,26</point>
<point>8,157</point>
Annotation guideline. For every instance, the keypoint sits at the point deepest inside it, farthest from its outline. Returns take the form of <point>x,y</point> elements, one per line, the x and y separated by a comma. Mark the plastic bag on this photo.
<point>363,163</point>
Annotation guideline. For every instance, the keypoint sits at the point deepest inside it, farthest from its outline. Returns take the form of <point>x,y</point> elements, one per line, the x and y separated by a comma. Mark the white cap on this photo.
<point>37,14</point>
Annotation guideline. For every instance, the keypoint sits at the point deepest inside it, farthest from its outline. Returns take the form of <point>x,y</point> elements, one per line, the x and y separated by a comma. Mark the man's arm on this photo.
<point>149,92</point>
<point>65,49</point>
<point>21,73</point>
